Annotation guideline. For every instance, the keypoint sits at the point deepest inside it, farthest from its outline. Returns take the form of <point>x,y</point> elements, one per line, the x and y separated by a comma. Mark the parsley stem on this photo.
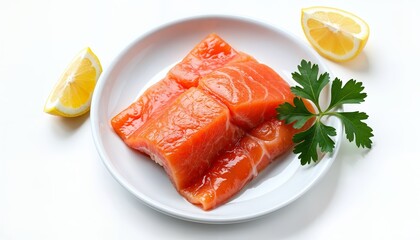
<point>318,107</point>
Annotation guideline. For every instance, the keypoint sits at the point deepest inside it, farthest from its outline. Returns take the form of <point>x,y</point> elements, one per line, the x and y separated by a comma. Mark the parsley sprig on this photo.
<point>318,136</point>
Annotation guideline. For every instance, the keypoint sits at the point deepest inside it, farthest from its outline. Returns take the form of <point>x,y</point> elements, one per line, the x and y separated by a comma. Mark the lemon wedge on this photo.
<point>72,95</point>
<point>335,34</point>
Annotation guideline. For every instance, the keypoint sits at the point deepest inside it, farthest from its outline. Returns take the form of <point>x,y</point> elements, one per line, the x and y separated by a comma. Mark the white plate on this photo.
<point>146,60</point>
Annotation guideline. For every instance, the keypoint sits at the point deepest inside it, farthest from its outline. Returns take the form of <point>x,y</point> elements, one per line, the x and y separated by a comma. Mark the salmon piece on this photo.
<point>150,103</point>
<point>228,174</point>
<point>251,90</point>
<point>211,53</point>
<point>232,170</point>
<point>187,136</point>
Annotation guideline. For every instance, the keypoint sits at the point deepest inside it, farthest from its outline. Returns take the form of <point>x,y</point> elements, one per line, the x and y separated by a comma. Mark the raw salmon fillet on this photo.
<point>150,103</point>
<point>251,90</point>
<point>186,138</point>
<point>210,54</point>
<point>232,170</point>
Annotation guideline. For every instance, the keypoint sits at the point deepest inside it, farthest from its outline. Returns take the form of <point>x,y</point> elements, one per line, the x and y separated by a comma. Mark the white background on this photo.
<point>53,184</point>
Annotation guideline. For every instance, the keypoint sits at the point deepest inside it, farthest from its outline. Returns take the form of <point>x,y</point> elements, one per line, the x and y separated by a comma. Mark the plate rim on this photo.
<point>157,205</point>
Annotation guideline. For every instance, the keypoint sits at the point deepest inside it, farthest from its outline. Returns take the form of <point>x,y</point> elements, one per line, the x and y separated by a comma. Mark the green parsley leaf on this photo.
<point>307,77</point>
<point>355,128</point>
<point>319,135</point>
<point>297,113</point>
<point>350,93</point>
<point>318,138</point>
